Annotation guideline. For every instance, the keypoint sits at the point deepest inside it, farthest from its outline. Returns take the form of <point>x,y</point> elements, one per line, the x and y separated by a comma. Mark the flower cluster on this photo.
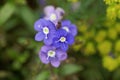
<point>57,35</point>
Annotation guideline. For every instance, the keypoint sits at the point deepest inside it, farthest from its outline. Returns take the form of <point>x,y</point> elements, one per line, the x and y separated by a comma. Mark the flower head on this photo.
<point>53,14</point>
<point>46,31</point>
<point>70,28</point>
<point>62,39</point>
<point>48,54</point>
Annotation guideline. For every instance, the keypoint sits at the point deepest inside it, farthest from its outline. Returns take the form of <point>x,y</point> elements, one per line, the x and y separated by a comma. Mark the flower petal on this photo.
<point>49,9</point>
<point>38,25</point>
<point>60,12</point>
<point>60,33</point>
<point>70,39</point>
<point>64,46</point>
<point>51,26</point>
<point>62,55</point>
<point>45,48</point>
<point>55,62</point>
<point>48,41</point>
<point>43,58</point>
<point>73,29</point>
<point>66,23</point>
<point>39,36</point>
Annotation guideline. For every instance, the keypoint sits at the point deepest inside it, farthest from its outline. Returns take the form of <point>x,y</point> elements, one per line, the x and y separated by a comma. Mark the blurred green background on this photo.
<point>94,56</point>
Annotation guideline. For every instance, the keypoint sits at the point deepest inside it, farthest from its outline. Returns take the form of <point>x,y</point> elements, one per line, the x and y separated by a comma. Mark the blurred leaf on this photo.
<point>12,53</point>
<point>4,74</point>
<point>10,24</point>
<point>6,12</point>
<point>116,75</point>
<point>16,65</point>
<point>28,17</point>
<point>43,75</point>
<point>20,1</point>
<point>70,69</point>
<point>23,57</point>
<point>92,75</point>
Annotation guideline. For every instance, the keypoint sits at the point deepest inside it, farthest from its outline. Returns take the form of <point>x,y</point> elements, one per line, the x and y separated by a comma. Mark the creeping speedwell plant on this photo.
<point>56,39</point>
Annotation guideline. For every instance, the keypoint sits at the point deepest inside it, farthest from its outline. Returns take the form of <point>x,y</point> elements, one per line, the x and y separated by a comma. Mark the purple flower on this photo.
<point>48,54</point>
<point>46,30</point>
<point>62,39</point>
<point>53,14</point>
<point>69,27</point>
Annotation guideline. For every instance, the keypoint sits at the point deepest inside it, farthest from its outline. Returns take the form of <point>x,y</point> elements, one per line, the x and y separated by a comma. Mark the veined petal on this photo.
<point>64,46</point>
<point>66,23</point>
<point>45,48</point>
<point>60,33</point>
<point>73,30</point>
<point>62,55</point>
<point>43,58</point>
<point>55,62</point>
<point>49,9</point>
<point>39,24</point>
<point>70,39</point>
<point>39,36</point>
<point>48,41</point>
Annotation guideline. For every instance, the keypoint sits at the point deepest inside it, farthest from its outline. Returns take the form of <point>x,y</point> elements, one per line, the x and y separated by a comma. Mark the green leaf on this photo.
<point>92,74</point>
<point>116,75</point>
<point>16,65</point>
<point>70,69</point>
<point>23,57</point>
<point>6,11</point>
<point>27,16</point>
<point>10,24</point>
<point>43,75</point>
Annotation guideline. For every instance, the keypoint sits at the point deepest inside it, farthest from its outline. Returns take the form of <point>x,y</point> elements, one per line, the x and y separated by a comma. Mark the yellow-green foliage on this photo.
<point>100,36</point>
<point>112,33</point>
<point>111,1</point>
<point>105,47</point>
<point>89,48</point>
<point>110,63</point>
<point>117,46</point>
<point>117,27</point>
<point>103,41</point>
<point>73,1</point>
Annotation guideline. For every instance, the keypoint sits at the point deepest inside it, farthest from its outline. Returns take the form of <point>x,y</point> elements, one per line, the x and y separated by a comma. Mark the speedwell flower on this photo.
<point>62,39</point>
<point>69,27</point>
<point>46,30</point>
<point>48,54</point>
<point>53,14</point>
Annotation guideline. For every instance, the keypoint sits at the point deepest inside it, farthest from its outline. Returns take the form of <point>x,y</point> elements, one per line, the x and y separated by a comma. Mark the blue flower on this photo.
<point>69,27</point>
<point>62,39</point>
<point>49,54</point>
<point>46,30</point>
<point>53,14</point>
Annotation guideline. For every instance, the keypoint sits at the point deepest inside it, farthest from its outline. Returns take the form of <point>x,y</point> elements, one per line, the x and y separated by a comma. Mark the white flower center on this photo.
<point>53,17</point>
<point>51,53</point>
<point>62,39</point>
<point>66,28</point>
<point>45,30</point>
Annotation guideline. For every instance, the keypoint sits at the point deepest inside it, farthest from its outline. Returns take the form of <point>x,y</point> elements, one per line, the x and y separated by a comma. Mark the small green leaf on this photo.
<point>70,69</point>
<point>6,11</point>
<point>43,75</point>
